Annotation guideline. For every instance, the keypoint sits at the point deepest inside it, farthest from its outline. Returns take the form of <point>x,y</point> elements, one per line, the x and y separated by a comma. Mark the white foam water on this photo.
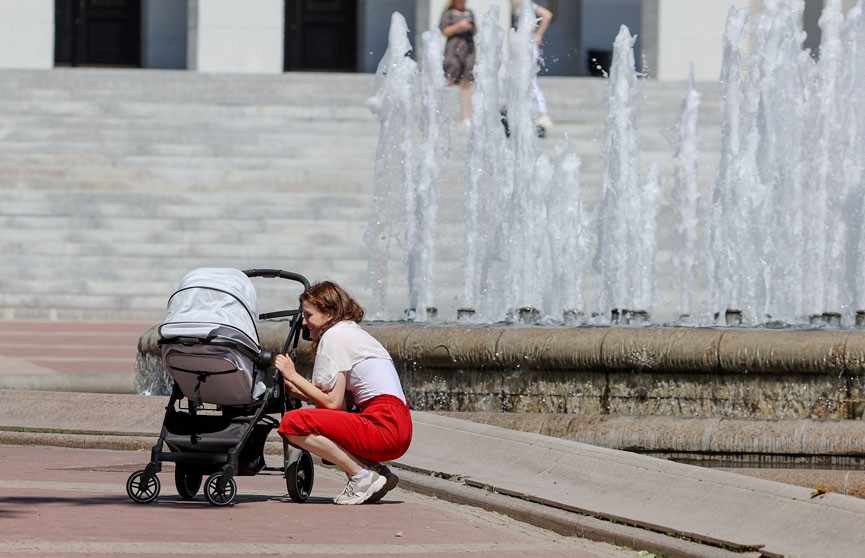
<point>776,235</point>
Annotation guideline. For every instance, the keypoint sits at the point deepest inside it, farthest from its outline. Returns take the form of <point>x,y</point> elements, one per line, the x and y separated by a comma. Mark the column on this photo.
<point>26,34</point>
<point>232,36</point>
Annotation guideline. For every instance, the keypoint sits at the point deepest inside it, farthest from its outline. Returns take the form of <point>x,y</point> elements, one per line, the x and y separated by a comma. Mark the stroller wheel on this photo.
<point>217,496</point>
<point>299,476</point>
<point>186,482</point>
<point>140,490</point>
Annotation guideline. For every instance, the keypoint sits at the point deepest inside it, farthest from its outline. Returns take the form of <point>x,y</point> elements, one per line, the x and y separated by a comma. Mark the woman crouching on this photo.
<point>351,369</point>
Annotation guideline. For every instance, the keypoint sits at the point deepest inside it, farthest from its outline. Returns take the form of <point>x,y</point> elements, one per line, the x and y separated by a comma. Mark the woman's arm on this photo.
<point>295,382</point>
<point>462,26</point>
<point>546,17</point>
<point>457,28</point>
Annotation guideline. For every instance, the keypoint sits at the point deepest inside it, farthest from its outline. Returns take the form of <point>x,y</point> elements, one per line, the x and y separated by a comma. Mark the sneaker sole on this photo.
<point>390,483</point>
<point>372,491</point>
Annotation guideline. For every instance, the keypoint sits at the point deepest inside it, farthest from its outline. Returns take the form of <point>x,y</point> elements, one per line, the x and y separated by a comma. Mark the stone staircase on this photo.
<point>115,183</point>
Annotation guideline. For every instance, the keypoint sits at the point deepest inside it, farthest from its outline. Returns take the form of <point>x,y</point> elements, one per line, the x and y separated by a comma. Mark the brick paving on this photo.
<point>70,499</point>
<point>72,502</point>
<point>69,347</point>
<point>64,502</point>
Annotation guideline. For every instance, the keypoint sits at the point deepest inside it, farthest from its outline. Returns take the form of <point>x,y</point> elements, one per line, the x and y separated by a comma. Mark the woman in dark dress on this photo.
<point>458,26</point>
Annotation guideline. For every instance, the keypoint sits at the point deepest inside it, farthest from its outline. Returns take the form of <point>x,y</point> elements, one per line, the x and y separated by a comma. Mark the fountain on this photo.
<point>508,255</point>
<point>773,237</point>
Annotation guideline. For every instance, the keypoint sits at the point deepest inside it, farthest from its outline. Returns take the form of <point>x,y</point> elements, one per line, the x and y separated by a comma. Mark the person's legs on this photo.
<point>391,480</point>
<point>382,431</point>
<point>328,450</point>
<point>540,100</point>
<point>542,119</point>
<point>466,98</point>
<point>364,484</point>
<point>468,78</point>
<point>326,433</point>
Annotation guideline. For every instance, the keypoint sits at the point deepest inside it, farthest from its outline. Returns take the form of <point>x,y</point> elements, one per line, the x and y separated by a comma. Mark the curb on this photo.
<point>563,522</point>
<point>113,383</point>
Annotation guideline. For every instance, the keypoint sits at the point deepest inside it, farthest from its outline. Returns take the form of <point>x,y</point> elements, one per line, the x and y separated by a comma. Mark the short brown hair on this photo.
<point>332,299</point>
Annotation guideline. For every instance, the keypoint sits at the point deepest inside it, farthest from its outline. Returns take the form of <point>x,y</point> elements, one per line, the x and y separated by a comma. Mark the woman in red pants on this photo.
<point>351,369</point>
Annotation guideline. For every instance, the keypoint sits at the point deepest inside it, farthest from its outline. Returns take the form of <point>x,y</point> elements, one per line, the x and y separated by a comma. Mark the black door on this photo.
<point>321,35</point>
<point>97,33</point>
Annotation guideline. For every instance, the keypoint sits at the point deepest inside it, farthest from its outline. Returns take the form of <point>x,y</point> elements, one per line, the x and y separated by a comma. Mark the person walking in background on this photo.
<point>544,18</point>
<point>351,369</point>
<point>458,26</point>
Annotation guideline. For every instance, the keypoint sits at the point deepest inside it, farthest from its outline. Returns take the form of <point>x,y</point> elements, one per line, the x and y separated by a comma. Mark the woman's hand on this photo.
<point>286,368</point>
<point>465,26</point>
<point>289,374</point>
<point>458,28</point>
<point>301,388</point>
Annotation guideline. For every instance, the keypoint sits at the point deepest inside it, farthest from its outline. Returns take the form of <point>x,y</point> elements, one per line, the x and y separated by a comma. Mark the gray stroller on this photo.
<point>226,394</point>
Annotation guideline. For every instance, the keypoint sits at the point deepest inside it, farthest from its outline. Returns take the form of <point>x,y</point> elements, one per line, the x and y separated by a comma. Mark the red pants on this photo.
<point>380,432</point>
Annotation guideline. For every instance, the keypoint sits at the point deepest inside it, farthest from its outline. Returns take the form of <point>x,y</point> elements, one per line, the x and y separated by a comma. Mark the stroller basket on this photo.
<point>210,372</point>
<point>209,434</point>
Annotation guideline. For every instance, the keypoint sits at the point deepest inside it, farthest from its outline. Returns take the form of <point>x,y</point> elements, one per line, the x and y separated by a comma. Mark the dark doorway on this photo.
<point>321,35</point>
<point>97,33</point>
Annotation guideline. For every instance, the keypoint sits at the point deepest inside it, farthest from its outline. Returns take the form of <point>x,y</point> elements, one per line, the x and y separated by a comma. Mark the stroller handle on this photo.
<point>297,329</point>
<point>278,314</point>
<point>278,273</point>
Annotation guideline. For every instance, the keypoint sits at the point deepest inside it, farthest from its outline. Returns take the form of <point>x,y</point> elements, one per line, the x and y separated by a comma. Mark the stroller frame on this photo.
<point>223,459</point>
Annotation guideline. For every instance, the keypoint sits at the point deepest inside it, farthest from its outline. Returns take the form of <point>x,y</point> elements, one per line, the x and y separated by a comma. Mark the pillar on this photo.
<point>231,36</point>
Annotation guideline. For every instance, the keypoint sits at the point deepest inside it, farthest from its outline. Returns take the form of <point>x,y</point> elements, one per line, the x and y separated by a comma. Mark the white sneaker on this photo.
<point>390,483</point>
<point>545,122</point>
<point>359,491</point>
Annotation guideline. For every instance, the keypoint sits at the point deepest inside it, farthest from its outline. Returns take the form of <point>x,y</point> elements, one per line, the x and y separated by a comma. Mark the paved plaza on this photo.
<point>466,488</point>
<point>72,502</point>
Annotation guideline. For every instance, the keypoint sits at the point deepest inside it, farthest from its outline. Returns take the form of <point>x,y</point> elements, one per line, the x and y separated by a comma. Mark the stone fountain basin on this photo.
<point>678,392</point>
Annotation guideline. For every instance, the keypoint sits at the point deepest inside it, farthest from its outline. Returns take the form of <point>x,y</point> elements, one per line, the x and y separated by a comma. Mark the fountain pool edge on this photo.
<point>615,371</point>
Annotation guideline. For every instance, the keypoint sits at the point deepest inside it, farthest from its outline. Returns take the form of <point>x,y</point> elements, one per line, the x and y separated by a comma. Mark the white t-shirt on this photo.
<point>346,347</point>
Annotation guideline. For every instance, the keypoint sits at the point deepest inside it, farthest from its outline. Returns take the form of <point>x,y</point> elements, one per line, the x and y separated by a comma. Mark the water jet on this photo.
<point>770,232</point>
<point>751,242</point>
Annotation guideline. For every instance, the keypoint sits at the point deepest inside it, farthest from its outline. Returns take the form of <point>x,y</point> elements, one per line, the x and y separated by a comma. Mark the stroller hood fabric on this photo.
<point>213,302</point>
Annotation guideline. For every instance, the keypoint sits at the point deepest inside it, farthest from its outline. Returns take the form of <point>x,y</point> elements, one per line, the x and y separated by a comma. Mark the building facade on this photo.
<point>272,36</point>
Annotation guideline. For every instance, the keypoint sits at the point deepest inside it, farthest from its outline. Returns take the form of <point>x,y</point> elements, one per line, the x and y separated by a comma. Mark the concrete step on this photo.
<point>40,135</point>
<point>117,182</point>
<point>295,88</point>
<point>265,115</point>
<point>114,157</point>
<point>52,172</point>
<point>252,206</point>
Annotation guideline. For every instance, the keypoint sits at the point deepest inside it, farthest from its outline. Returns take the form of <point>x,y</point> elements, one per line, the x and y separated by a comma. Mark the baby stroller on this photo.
<point>210,347</point>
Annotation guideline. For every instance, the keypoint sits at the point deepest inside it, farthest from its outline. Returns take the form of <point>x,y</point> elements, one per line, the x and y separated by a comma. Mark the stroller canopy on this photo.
<point>213,302</point>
